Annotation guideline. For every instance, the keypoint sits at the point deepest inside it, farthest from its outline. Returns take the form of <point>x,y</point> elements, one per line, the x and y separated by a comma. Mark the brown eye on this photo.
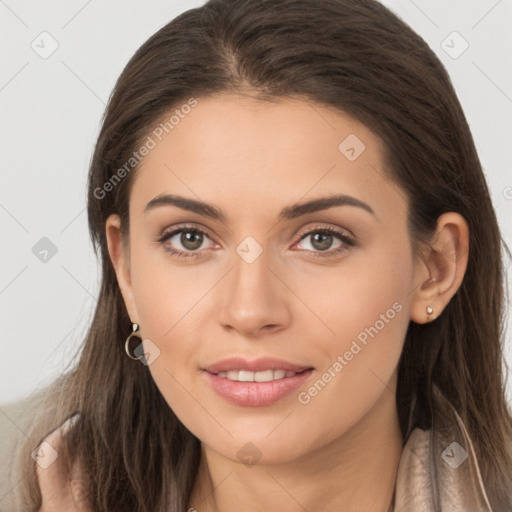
<point>322,239</point>
<point>191,240</point>
<point>184,242</point>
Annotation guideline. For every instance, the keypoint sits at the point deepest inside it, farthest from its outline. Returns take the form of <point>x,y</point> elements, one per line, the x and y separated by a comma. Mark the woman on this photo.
<point>302,292</point>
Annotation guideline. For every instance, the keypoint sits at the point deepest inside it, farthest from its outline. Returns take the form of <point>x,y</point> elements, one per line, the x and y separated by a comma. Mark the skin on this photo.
<point>251,159</point>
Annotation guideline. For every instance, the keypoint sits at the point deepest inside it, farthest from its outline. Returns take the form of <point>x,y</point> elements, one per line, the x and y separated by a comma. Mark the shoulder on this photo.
<point>16,421</point>
<point>60,491</point>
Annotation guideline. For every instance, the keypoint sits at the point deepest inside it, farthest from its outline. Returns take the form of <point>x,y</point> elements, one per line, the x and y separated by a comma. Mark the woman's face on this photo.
<point>256,276</point>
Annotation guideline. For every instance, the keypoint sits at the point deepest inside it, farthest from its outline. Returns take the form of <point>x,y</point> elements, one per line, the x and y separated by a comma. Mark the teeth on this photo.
<point>264,376</point>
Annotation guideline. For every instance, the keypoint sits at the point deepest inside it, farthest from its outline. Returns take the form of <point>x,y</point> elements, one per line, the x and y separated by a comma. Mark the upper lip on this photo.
<point>264,363</point>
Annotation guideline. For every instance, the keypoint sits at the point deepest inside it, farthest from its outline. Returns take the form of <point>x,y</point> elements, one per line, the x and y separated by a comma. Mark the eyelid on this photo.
<point>327,226</point>
<point>185,225</point>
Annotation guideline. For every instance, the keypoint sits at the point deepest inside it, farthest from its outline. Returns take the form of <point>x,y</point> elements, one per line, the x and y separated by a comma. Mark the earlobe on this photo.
<point>119,257</point>
<point>444,263</point>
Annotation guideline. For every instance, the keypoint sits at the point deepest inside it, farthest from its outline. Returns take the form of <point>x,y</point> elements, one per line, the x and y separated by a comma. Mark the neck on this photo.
<point>355,472</point>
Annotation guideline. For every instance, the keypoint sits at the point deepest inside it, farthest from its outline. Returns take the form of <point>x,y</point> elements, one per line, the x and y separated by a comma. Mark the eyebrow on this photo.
<point>287,213</point>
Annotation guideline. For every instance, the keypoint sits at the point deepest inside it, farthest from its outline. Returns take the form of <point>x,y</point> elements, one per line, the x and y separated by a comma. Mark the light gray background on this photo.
<point>51,109</point>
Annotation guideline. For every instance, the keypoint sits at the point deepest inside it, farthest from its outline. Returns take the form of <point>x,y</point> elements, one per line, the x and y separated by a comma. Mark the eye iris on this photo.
<point>325,243</point>
<point>191,237</point>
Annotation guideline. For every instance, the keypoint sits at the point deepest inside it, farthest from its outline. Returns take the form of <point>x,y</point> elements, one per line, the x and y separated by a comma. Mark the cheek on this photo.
<point>370,288</point>
<point>365,307</point>
<point>170,296</point>
<point>370,318</point>
<point>167,305</point>
<point>169,317</point>
<point>165,293</point>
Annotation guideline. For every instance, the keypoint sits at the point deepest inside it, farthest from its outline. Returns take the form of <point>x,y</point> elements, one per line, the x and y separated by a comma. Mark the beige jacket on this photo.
<point>437,472</point>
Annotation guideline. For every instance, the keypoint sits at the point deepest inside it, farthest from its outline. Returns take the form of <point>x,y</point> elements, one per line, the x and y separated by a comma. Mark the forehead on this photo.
<point>250,155</point>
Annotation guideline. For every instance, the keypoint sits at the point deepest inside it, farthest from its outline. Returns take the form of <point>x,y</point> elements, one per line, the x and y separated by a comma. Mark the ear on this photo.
<point>440,268</point>
<point>118,249</point>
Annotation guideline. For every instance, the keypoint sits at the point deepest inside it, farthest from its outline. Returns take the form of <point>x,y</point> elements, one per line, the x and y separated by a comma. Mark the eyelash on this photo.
<point>347,241</point>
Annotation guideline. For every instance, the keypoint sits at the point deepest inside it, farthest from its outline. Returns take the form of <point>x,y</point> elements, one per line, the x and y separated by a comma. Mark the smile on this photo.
<point>263,376</point>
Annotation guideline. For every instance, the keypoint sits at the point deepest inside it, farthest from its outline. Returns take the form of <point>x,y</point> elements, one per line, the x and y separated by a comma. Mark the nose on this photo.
<point>254,301</point>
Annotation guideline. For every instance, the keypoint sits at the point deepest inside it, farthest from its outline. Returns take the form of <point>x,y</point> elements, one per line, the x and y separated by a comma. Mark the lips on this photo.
<point>258,365</point>
<point>261,382</point>
<point>256,394</point>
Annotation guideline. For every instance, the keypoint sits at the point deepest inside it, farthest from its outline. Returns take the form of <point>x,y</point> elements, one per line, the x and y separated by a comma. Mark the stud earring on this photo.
<point>135,334</point>
<point>429,311</point>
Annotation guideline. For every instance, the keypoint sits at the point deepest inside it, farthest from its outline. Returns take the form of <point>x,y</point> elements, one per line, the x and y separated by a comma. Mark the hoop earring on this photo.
<point>430,312</point>
<point>135,333</point>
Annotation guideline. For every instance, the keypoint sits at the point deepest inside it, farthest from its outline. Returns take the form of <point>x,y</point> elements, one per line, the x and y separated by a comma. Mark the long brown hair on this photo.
<point>355,56</point>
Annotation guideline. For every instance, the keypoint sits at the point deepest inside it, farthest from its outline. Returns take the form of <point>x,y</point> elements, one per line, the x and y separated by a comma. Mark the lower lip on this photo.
<point>255,394</point>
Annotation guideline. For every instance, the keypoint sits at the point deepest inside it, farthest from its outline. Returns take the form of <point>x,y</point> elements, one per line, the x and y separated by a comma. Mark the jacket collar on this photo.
<point>438,468</point>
